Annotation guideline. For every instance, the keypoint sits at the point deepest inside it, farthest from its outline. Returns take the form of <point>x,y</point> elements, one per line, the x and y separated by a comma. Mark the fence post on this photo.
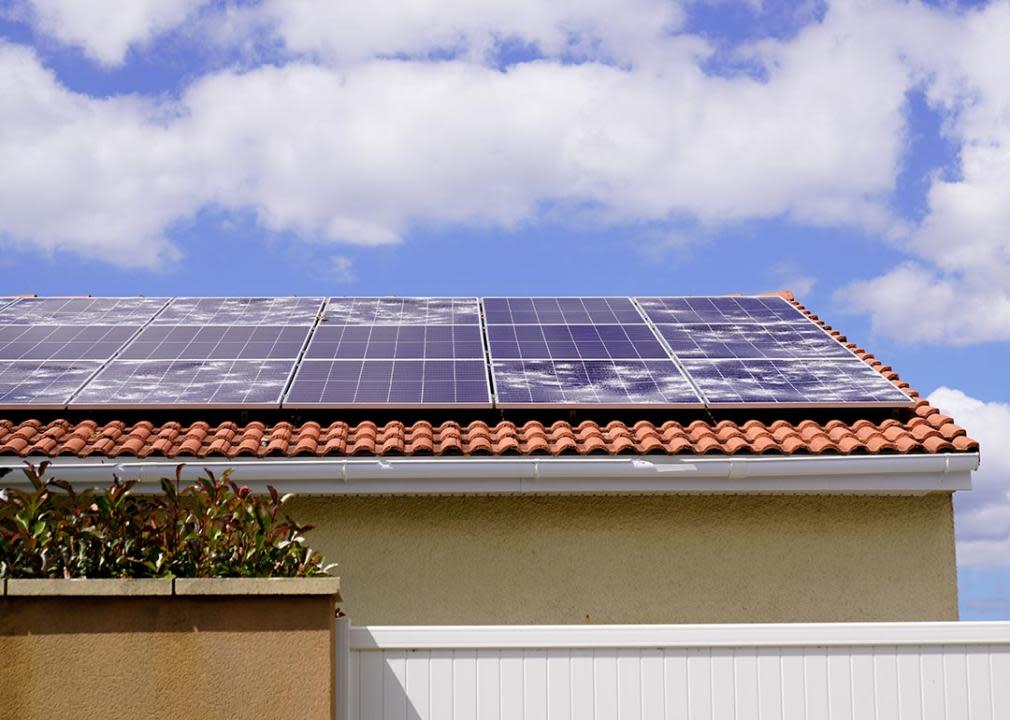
<point>342,667</point>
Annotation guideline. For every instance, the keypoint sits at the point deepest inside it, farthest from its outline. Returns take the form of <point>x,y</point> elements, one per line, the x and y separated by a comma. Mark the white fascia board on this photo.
<point>376,637</point>
<point>653,474</point>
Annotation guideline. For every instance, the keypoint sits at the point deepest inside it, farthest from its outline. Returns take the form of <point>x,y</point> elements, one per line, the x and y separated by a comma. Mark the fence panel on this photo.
<point>915,671</point>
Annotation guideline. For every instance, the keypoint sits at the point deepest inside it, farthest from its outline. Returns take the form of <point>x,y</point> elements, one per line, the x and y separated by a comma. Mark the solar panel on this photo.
<point>433,342</point>
<point>792,382</point>
<point>241,311</point>
<point>42,384</point>
<point>216,342</point>
<point>81,311</point>
<point>395,352</point>
<point>393,383</point>
<point>63,342</point>
<point>186,383</point>
<point>612,383</point>
<point>559,310</point>
<point>401,311</point>
<point>730,309</point>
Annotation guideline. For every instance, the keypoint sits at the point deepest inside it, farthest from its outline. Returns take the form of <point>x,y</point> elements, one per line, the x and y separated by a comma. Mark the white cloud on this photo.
<point>962,272</point>
<point>106,29</point>
<point>346,31</point>
<point>100,177</point>
<point>982,519</point>
<point>342,269</point>
<point>359,149</point>
<point>361,153</point>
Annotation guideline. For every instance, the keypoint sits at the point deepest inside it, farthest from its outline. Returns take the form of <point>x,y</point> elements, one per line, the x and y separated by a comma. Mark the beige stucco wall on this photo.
<point>166,658</point>
<point>658,559</point>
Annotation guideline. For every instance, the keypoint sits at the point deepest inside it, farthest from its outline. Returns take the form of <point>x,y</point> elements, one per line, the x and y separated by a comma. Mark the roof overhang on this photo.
<point>643,475</point>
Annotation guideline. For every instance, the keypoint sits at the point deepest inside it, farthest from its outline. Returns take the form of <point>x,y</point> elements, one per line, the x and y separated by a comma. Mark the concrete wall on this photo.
<point>658,559</point>
<point>166,658</point>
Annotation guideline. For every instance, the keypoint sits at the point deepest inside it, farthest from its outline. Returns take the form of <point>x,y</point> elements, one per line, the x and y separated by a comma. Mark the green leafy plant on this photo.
<point>211,528</point>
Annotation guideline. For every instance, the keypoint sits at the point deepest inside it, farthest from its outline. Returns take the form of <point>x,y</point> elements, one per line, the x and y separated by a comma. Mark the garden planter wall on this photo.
<point>196,648</point>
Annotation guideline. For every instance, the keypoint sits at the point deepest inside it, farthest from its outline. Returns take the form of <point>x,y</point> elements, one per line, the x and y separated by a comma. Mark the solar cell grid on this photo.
<point>241,311</point>
<point>81,311</point>
<point>403,383</point>
<point>216,342</point>
<point>792,382</point>
<point>396,342</point>
<point>703,310</point>
<point>613,383</point>
<point>62,342</point>
<point>42,384</point>
<point>401,311</point>
<point>222,383</point>
<point>573,342</point>
<point>560,310</point>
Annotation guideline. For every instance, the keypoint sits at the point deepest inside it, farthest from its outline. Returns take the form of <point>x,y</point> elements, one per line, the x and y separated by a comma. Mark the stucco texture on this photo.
<point>644,559</point>
<point>166,658</point>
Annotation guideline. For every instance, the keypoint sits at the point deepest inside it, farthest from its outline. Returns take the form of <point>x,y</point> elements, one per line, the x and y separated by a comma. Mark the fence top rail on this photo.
<point>431,637</point>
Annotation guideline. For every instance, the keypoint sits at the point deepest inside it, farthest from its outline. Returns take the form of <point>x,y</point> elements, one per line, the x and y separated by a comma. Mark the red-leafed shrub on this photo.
<point>212,528</point>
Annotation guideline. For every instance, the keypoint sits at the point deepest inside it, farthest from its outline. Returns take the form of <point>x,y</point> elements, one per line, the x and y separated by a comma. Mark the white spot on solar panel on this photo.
<point>792,382</point>
<point>613,383</point>
<point>401,311</point>
<point>241,311</point>
<point>42,384</point>
<point>81,311</point>
<point>223,383</point>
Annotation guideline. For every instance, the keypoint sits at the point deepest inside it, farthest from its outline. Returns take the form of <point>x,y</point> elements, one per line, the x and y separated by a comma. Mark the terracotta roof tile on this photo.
<point>924,429</point>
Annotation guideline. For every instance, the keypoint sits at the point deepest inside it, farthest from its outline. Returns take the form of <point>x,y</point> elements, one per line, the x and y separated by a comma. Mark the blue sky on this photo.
<point>857,153</point>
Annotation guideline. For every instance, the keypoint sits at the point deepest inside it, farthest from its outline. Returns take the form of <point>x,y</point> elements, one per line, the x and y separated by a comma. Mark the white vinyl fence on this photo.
<point>881,671</point>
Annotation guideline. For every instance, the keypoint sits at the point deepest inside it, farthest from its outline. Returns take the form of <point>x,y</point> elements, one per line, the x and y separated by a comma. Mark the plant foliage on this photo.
<point>212,528</point>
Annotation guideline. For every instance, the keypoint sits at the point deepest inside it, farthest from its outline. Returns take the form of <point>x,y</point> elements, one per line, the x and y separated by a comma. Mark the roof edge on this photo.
<point>644,475</point>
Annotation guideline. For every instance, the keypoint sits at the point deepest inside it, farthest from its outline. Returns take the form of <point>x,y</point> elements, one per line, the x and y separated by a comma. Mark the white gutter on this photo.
<point>862,474</point>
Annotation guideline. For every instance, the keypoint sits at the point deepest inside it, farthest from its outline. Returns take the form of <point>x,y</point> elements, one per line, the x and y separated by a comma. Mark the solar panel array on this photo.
<point>762,351</point>
<point>394,352</point>
<point>50,347</point>
<point>666,352</point>
<point>208,352</point>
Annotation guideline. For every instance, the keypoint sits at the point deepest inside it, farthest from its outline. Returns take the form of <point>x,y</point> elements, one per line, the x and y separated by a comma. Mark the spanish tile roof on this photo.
<point>923,430</point>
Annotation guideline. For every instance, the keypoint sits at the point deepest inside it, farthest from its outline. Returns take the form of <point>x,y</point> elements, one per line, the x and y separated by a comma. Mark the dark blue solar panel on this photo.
<point>560,311</point>
<point>784,340</point>
<point>573,342</point>
<point>81,311</point>
<point>401,311</point>
<point>748,310</point>
<point>223,383</point>
<point>48,384</point>
<point>241,311</point>
<point>793,382</point>
<point>62,342</point>
<point>336,383</point>
<point>386,342</point>
<point>216,342</point>
<point>591,382</point>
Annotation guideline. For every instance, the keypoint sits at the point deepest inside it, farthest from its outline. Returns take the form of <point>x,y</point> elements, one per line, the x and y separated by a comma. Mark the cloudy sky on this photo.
<point>855,152</point>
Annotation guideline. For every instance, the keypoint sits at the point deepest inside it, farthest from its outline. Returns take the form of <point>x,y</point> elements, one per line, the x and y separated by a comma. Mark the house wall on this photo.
<point>166,658</point>
<point>646,559</point>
